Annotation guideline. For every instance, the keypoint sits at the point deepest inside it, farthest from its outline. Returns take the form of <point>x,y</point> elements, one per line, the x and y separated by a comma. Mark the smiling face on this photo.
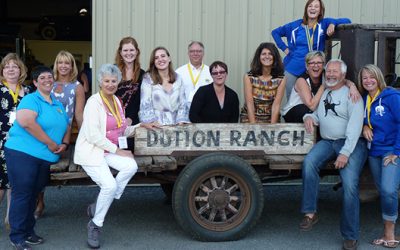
<point>369,82</point>
<point>11,72</point>
<point>44,83</point>
<point>161,59</point>
<point>218,75</point>
<point>333,74</point>
<point>266,58</point>
<point>128,53</point>
<point>109,84</point>
<point>196,54</point>
<point>64,68</point>
<point>313,10</point>
<point>315,66</point>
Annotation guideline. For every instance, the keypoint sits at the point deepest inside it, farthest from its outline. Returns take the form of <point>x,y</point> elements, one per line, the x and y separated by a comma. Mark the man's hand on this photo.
<point>341,161</point>
<point>309,124</point>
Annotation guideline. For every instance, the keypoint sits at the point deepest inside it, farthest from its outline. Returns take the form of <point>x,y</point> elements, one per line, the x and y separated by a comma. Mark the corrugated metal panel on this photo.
<point>230,29</point>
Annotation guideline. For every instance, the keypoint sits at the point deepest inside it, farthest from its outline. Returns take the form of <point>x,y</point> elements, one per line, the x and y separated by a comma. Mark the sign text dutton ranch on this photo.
<point>280,138</point>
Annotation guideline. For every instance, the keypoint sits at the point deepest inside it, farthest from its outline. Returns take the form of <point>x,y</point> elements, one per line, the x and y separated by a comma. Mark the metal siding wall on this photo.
<point>230,29</point>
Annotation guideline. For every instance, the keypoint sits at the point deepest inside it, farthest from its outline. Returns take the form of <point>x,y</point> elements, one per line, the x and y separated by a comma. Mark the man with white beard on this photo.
<point>340,121</point>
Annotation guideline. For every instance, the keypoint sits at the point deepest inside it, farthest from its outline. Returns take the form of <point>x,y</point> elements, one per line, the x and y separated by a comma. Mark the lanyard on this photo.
<point>194,81</point>
<point>13,95</point>
<point>310,39</point>
<point>368,107</point>
<point>115,113</point>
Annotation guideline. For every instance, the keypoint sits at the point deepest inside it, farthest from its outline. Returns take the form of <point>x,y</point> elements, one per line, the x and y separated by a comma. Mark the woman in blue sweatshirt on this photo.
<point>382,130</point>
<point>303,36</point>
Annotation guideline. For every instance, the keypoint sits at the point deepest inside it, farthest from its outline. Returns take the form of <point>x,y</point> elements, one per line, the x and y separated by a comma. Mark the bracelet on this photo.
<point>66,145</point>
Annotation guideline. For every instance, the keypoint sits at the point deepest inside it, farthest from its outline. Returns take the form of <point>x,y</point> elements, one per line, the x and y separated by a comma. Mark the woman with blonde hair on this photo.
<point>382,130</point>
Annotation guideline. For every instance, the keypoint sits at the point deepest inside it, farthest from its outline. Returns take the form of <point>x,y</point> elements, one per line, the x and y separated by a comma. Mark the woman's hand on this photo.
<point>286,51</point>
<point>331,29</point>
<point>151,125</point>
<point>367,133</point>
<point>124,152</point>
<point>390,159</point>
<point>128,121</point>
<point>53,147</point>
<point>61,148</point>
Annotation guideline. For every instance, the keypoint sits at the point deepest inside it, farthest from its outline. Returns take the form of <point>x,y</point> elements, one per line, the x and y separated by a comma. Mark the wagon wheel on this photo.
<point>217,198</point>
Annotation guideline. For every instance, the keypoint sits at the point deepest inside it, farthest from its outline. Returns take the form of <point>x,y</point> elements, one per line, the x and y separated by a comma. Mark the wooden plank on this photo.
<point>165,162</point>
<point>282,138</point>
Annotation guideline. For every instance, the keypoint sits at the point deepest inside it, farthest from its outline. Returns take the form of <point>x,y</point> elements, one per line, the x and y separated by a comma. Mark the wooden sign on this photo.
<point>281,138</point>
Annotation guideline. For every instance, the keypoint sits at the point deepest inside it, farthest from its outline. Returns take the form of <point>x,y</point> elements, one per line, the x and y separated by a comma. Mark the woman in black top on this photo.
<point>127,60</point>
<point>215,102</point>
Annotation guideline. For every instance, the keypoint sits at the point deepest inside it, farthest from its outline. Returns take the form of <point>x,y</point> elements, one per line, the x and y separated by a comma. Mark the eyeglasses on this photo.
<point>8,67</point>
<point>315,63</point>
<point>218,73</point>
<point>195,51</point>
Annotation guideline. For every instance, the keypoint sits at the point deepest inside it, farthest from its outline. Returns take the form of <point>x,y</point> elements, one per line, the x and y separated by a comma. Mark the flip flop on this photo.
<point>391,243</point>
<point>386,243</point>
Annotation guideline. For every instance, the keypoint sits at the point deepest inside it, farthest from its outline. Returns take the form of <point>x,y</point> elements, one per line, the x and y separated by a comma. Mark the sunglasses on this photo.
<point>218,73</point>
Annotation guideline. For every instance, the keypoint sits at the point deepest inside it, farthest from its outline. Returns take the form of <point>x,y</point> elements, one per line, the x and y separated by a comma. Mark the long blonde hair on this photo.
<point>65,56</point>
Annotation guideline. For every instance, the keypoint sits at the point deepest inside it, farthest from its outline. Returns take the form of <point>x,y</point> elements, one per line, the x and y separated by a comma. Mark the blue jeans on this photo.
<point>387,180</point>
<point>28,176</point>
<point>323,152</point>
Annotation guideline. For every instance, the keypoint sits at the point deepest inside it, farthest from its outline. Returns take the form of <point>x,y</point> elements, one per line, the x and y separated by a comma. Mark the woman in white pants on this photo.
<point>102,144</point>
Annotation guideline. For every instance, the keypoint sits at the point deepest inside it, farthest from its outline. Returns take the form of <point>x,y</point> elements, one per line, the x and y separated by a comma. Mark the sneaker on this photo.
<point>93,235</point>
<point>21,246</point>
<point>34,240</point>
<point>350,244</point>
<point>307,223</point>
<point>91,210</point>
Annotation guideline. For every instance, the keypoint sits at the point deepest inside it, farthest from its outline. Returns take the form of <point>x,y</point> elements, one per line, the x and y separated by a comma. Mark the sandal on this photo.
<point>386,243</point>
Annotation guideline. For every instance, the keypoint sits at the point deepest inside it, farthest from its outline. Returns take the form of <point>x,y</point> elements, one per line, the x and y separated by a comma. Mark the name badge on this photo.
<point>122,142</point>
<point>13,116</point>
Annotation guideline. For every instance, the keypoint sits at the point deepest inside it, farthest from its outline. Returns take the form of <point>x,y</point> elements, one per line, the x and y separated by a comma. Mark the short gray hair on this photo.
<point>196,42</point>
<point>343,66</point>
<point>108,70</point>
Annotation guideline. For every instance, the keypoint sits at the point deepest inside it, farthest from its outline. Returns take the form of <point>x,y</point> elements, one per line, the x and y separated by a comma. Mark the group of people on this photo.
<point>36,127</point>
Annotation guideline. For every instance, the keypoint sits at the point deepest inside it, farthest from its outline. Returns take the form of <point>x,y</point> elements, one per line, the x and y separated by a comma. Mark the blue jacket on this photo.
<point>385,121</point>
<point>297,42</point>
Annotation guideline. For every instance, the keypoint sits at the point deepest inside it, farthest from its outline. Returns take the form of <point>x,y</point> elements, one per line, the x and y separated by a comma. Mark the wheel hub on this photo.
<point>218,199</point>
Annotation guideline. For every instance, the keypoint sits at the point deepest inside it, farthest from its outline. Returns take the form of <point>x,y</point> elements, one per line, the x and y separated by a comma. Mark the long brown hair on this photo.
<point>321,12</point>
<point>153,71</point>
<point>119,61</point>
<point>22,68</point>
<point>256,67</point>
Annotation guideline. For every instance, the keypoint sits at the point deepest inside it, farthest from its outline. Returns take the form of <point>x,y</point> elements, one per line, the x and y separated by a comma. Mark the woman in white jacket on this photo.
<point>101,144</point>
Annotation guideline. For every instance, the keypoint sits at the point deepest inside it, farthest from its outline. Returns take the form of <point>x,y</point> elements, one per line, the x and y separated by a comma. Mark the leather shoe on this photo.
<point>307,223</point>
<point>350,244</point>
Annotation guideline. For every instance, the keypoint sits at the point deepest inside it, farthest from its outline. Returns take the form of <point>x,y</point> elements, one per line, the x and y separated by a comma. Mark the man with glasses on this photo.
<point>195,73</point>
<point>340,121</point>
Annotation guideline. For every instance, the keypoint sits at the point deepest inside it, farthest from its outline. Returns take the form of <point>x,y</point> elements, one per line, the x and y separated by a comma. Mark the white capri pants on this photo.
<point>110,188</point>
